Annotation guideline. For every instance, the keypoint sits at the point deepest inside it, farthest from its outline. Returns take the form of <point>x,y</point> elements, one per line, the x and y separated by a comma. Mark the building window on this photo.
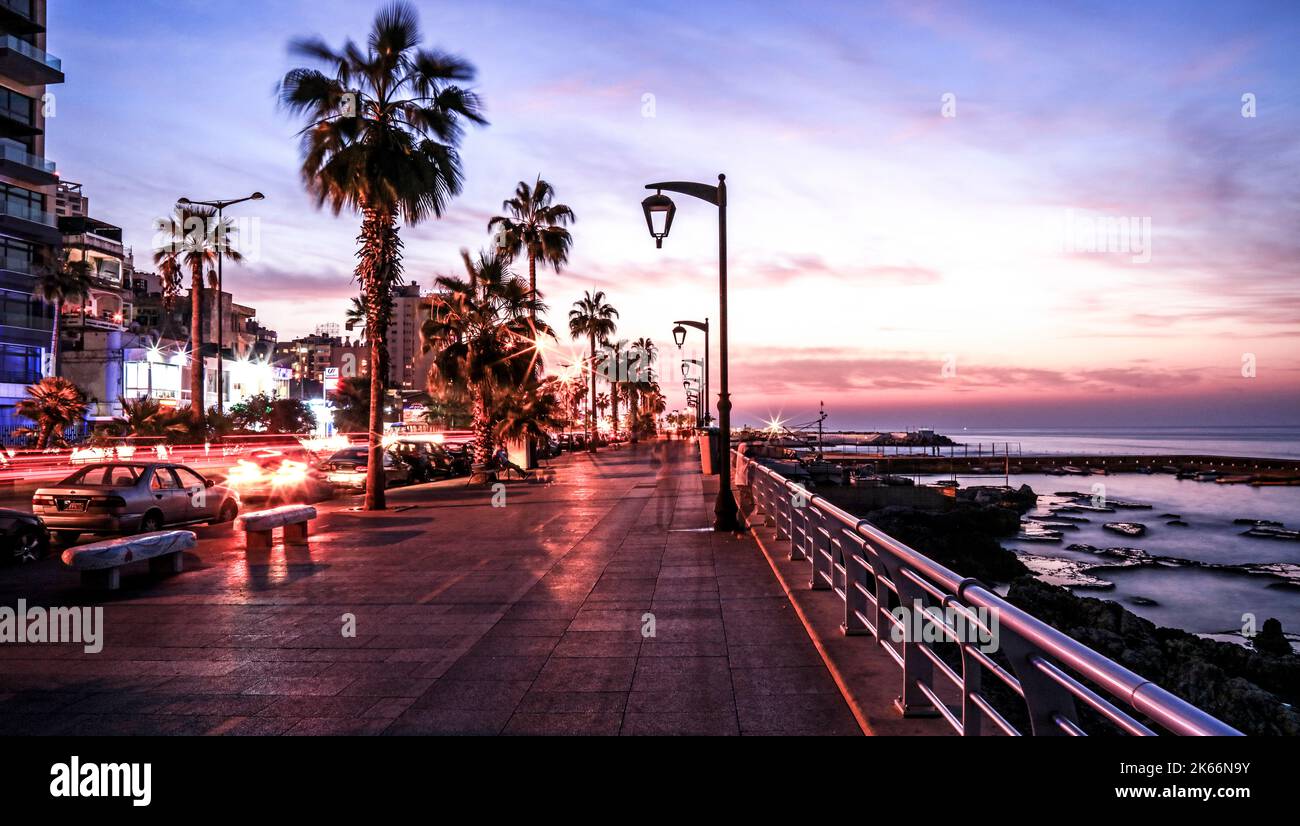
<point>23,203</point>
<point>18,256</point>
<point>17,106</point>
<point>19,365</point>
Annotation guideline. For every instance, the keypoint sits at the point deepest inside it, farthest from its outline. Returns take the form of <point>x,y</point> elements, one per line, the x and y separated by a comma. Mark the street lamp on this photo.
<point>659,211</point>
<point>679,335</point>
<point>220,207</point>
<point>702,326</point>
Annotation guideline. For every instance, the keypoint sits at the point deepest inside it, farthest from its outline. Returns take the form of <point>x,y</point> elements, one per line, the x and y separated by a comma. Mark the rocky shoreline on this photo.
<point>1254,687</point>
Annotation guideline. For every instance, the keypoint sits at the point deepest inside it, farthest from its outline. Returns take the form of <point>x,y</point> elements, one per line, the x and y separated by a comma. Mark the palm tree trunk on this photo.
<point>54,339</point>
<point>632,412</point>
<point>375,477</point>
<point>196,345</point>
<point>591,411</point>
<point>377,267</point>
<point>482,429</point>
<point>532,283</point>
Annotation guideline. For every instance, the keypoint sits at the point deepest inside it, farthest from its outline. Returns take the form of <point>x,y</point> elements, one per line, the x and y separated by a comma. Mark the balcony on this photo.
<point>29,222</point>
<point>20,16</point>
<point>27,64</point>
<point>17,162</point>
<point>87,241</point>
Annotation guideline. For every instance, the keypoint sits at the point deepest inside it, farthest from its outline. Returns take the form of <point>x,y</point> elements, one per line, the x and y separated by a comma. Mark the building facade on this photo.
<point>29,234</point>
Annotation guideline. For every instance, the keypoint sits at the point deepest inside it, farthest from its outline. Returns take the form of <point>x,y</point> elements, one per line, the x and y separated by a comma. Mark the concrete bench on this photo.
<point>258,525</point>
<point>100,563</point>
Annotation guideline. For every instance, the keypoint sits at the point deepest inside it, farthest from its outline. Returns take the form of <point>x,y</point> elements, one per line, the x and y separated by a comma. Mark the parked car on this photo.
<point>132,497</point>
<point>347,468</point>
<point>23,536</point>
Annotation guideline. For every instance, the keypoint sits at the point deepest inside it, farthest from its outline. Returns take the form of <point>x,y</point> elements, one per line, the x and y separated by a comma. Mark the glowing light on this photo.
<point>243,474</point>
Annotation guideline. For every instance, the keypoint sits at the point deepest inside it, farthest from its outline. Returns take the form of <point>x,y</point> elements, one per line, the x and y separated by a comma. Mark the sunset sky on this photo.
<point>874,241</point>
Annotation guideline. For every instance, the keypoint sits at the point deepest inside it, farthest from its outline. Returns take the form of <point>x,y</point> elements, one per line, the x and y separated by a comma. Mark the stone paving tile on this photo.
<point>585,723</point>
<point>708,724</point>
<point>527,620</point>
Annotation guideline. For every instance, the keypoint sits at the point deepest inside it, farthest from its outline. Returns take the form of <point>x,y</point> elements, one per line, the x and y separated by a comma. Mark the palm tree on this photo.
<point>69,281</point>
<point>192,240</point>
<point>381,139</point>
<point>602,403</point>
<point>593,319</point>
<point>532,413</point>
<point>482,338</point>
<point>54,404</point>
<point>356,314</point>
<point>536,226</point>
<point>644,350</point>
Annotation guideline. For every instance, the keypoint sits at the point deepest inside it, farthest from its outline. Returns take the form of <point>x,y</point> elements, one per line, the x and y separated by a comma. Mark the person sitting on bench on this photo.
<point>502,462</point>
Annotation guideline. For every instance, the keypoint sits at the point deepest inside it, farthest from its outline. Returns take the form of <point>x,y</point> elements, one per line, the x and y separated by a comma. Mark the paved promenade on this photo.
<point>597,603</point>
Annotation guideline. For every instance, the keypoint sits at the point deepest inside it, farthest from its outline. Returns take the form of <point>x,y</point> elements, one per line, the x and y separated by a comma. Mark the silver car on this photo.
<point>132,497</point>
<point>347,468</point>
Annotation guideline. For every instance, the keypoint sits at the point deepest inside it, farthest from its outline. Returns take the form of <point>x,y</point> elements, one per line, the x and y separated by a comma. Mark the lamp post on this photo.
<point>703,326</point>
<point>659,211</point>
<point>220,207</point>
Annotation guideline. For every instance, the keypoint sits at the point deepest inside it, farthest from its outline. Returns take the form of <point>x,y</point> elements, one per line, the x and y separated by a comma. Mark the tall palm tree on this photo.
<point>536,226</point>
<point>192,240</point>
<point>54,404</point>
<point>482,339</point>
<point>57,285</point>
<point>383,124</point>
<point>592,318</point>
<point>644,350</point>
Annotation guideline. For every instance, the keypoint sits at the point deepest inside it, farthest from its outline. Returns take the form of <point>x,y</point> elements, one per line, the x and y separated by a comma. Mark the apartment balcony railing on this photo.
<point>18,155</point>
<point>1052,674</point>
<point>26,321</point>
<point>18,263</point>
<point>90,241</point>
<point>22,47</point>
<point>20,7</point>
<point>27,212</point>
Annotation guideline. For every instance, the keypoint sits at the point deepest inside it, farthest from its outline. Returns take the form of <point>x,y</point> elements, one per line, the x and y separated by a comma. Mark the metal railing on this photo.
<point>22,47</point>
<point>1052,674</point>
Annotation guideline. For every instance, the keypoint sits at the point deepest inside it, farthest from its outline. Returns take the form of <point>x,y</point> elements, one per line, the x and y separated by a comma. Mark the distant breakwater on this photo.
<point>996,464</point>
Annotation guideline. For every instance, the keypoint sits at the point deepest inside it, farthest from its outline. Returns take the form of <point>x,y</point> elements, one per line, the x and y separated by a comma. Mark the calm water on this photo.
<point>1281,442</point>
<point>1198,600</point>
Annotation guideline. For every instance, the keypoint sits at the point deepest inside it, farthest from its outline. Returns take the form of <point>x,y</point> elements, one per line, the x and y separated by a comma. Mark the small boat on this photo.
<point>1126,528</point>
<point>1097,471</point>
<point>1234,480</point>
<point>1071,470</point>
<point>1208,476</point>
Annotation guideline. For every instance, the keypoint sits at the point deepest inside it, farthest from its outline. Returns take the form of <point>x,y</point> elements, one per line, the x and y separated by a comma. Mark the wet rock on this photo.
<point>1177,523</point>
<point>1126,528</point>
<point>1146,601</point>
<point>963,539</point>
<point>1270,639</point>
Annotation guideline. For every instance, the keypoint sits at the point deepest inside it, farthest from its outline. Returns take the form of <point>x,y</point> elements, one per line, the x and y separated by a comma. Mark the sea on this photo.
<point>1208,600</point>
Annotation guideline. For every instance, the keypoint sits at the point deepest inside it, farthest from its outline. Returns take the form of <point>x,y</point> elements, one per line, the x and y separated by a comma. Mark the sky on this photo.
<point>941,214</point>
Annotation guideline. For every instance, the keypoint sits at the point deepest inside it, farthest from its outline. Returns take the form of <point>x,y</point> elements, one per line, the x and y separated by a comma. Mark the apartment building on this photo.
<point>29,233</point>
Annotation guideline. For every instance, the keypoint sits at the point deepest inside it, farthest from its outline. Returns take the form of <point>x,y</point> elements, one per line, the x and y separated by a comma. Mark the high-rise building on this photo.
<point>408,365</point>
<point>29,233</point>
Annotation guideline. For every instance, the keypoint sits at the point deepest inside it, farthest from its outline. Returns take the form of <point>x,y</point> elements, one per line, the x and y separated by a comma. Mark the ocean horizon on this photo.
<point>1264,442</point>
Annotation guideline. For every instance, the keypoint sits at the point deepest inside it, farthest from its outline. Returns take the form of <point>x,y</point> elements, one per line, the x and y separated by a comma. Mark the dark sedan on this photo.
<point>23,536</point>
